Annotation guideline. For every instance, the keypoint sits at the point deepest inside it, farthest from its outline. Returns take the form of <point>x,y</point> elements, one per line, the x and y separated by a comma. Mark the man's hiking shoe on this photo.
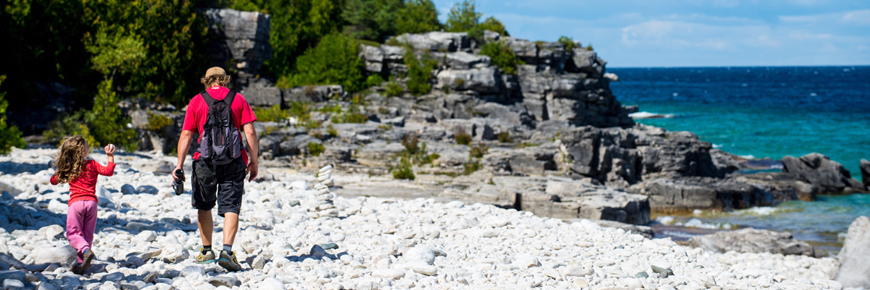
<point>229,262</point>
<point>88,256</point>
<point>206,258</point>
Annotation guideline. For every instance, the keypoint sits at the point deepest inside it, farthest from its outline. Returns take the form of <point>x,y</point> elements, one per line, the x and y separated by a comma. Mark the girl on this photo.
<point>74,168</point>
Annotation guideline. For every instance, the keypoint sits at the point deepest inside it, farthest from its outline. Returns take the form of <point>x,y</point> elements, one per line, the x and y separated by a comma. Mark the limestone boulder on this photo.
<point>685,194</point>
<point>312,93</point>
<point>463,60</point>
<point>261,92</point>
<point>751,240</point>
<point>830,177</point>
<point>865,173</point>
<point>854,269</point>
<point>437,41</point>
<point>486,80</point>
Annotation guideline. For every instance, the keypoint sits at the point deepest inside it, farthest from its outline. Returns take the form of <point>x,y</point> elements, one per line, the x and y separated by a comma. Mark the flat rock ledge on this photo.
<point>751,240</point>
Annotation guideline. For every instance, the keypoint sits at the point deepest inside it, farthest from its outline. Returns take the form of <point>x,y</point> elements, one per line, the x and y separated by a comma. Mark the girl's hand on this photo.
<point>110,149</point>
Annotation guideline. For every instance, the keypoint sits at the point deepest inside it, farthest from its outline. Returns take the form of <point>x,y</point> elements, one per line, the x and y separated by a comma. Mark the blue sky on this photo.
<point>637,33</point>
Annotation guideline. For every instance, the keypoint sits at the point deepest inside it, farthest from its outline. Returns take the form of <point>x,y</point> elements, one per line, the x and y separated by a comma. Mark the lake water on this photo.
<point>762,112</point>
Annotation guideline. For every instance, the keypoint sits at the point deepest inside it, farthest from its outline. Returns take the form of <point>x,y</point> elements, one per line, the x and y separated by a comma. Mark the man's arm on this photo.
<point>183,146</point>
<point>253,149</point>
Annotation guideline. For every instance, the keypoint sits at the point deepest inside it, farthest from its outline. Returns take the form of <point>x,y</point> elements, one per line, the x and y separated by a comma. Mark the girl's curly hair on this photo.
<point>71,159</point>
<point>222,80</point>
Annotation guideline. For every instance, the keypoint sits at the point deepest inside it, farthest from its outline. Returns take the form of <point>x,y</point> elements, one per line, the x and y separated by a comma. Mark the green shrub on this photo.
<point>477,34</point>
<point>493,25</point>
<point>504,137</point>
<point>394,89</point>
<point>478,151</point>
<point>271,114</point>
<point>331,130</point>
<point>462,17</point>
<point>589,47</point>
<point>419,72</point>
<point>502,56</point>
<point>462,137</point>
<point>418,16</point>
<point>404,170</point>
<point>315,148</point>
<point>156,122</point>
<point>374,80</point>
<point>333,61</point>
<point>470,167</point>
<point>10,136</point>
<point>70,125</point>
<point>567,42</point>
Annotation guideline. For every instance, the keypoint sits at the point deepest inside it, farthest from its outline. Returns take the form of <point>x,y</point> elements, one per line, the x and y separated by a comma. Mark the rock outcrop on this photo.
<point>826,175</point>
<point>751,240</point>
<point>865,173</point>
<point>688,193</point>
<point>241,42</point>
<point>854,268</point>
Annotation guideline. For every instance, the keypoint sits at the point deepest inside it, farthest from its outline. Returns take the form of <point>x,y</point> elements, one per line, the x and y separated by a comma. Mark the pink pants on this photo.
<point>81,221</point>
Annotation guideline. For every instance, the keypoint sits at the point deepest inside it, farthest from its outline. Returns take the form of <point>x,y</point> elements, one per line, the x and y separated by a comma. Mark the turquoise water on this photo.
<point>760,112</point>
<point>767,112</point>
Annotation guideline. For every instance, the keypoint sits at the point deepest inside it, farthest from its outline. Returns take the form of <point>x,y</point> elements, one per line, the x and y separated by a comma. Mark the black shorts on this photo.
<point>231,182</point>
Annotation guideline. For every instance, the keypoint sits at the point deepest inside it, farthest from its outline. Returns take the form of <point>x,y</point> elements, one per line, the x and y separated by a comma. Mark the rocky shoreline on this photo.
<point>145,236</point>
<point>550,139</point>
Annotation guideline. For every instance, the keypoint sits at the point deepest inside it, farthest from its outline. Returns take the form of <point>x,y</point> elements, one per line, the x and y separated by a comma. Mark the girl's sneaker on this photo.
<point>229,262</point>
<point>206,257</point>
<point>88,256</point>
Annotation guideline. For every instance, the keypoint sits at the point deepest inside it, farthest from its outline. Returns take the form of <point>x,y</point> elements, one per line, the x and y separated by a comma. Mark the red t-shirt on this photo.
<point>197,111</point>
<point>84,186</point>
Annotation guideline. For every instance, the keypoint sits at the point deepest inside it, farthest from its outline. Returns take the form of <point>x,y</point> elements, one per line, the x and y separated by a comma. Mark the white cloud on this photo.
<point>856,17</point>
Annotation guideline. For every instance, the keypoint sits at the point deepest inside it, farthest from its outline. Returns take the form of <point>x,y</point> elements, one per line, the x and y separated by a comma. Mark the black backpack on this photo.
<point>221,142</point>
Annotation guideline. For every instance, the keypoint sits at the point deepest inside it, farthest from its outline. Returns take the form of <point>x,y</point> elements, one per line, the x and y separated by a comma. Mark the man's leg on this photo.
<point>206,226</point>
<point>231,226</point>
<point>203,199</point>
<point>232,187</point>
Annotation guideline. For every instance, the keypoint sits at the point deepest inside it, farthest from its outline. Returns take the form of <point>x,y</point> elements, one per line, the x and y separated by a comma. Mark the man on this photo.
<point>213,181</point>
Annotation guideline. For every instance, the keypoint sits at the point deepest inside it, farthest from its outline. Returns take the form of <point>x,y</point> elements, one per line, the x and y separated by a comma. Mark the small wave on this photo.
<point>746,156</point>
<point>648,115</point>
<point>717,146</point>
<point>763,210</point>
<point>696,223</point>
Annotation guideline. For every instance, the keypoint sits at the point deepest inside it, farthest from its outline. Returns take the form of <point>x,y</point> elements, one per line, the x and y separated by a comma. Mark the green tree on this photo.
<point>418,16</point>
<point>296,26</point>
<point>494,25</point>
<point>371,19</point>
<point>502,56</point>
<point>174,35</point>
<point>117,53</point>
<point>463,17</point>
<point>9,135</point>
<point>333,61</point>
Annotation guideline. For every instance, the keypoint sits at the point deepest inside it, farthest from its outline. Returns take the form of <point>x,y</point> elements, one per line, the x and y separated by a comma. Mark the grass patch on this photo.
<point>462,137</point>
<point>478,151</point>
<point>504,137</point>
<point>471,167</point>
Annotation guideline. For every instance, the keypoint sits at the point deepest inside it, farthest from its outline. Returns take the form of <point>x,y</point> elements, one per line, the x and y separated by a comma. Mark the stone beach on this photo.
<point>146,239</point>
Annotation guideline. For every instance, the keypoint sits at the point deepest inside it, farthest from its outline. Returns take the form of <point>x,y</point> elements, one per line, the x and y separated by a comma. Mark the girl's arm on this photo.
<point>109,169</point>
